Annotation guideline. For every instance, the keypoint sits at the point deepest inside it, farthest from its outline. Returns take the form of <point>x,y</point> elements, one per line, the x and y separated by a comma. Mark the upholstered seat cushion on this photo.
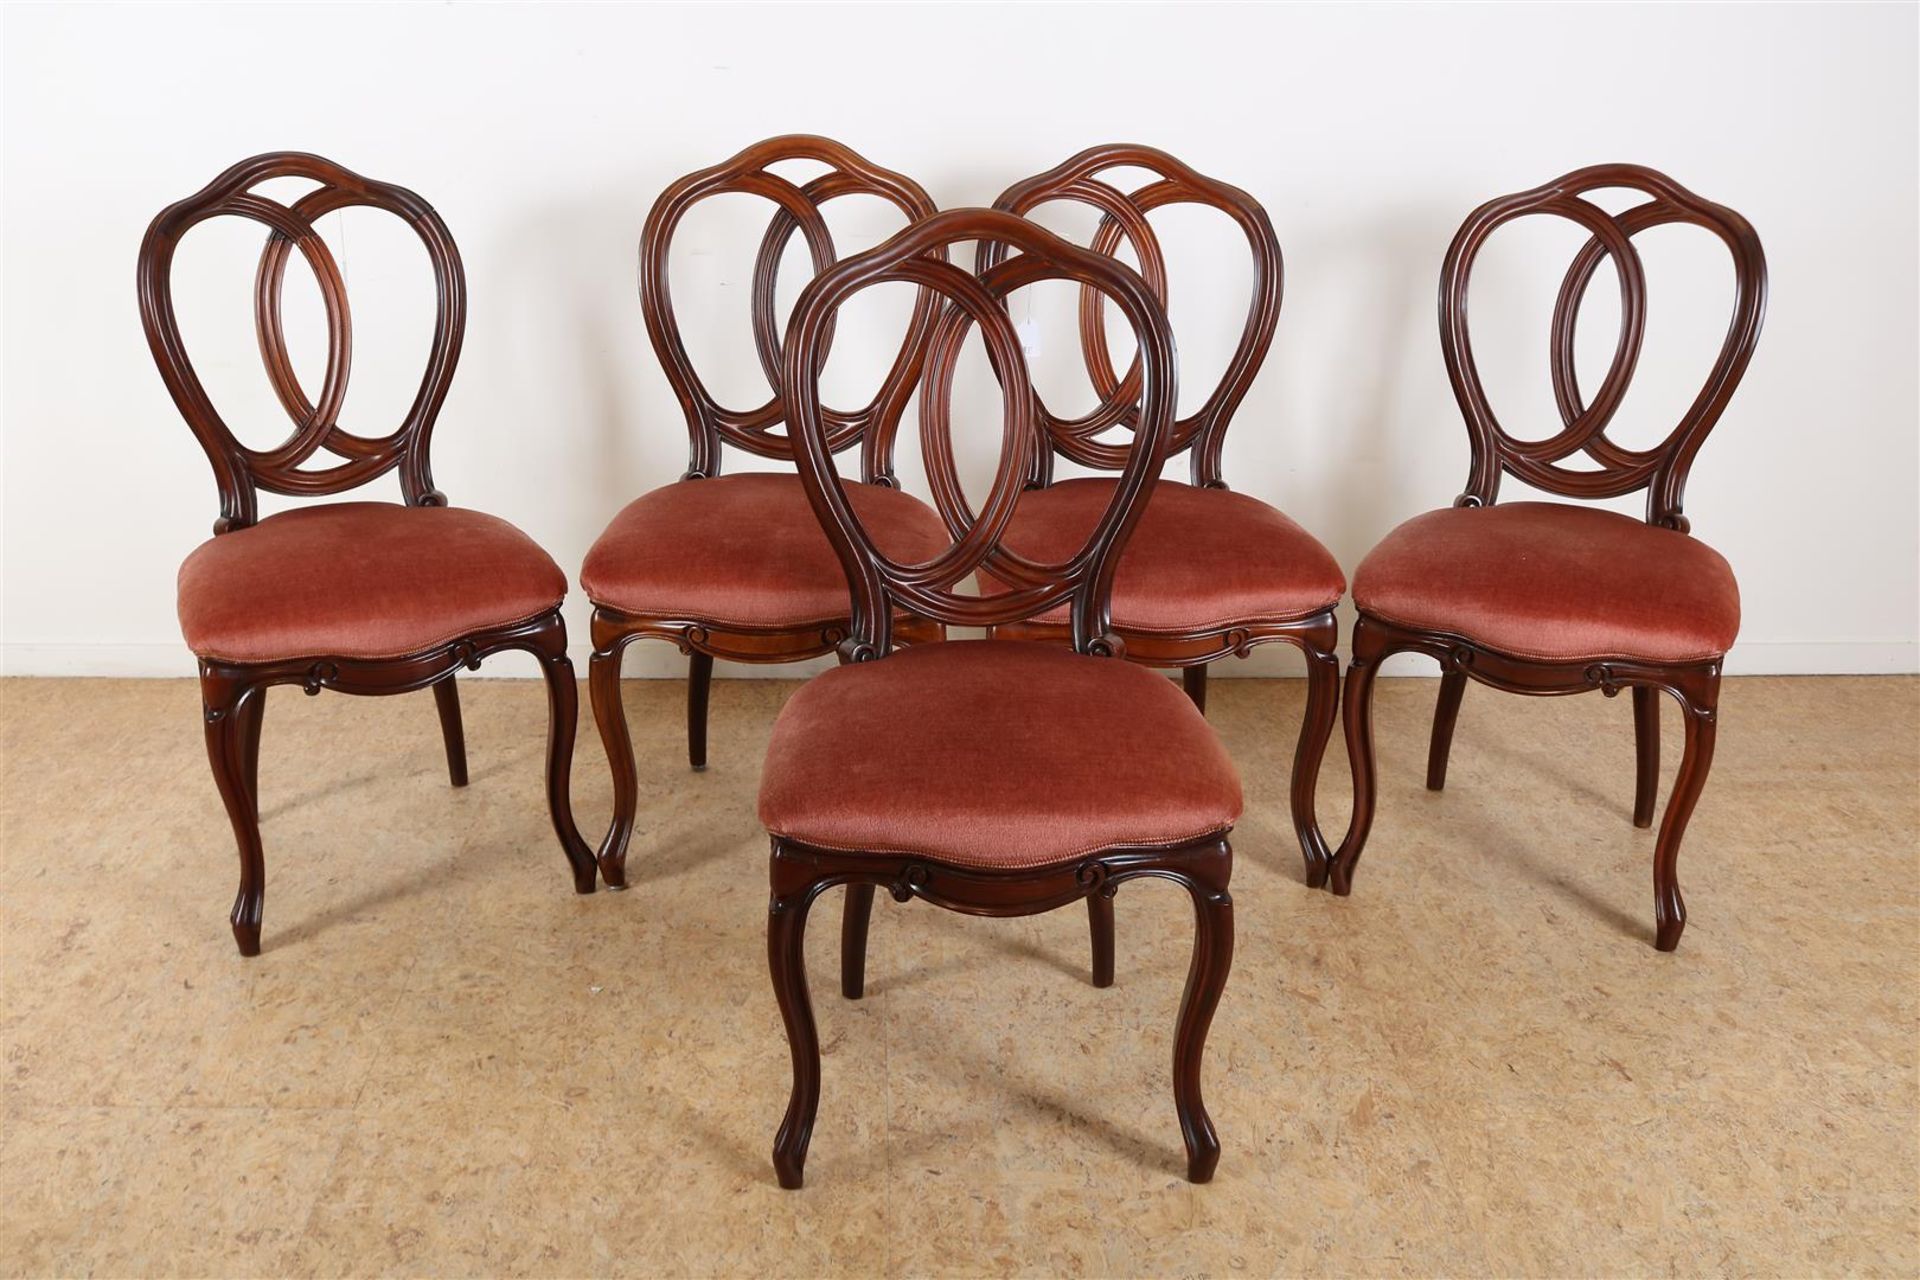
<point>994,754</point>
<point>1199,558</point>
<point>1554,582</point>
<point>360,580</point>
<point>745,551</point>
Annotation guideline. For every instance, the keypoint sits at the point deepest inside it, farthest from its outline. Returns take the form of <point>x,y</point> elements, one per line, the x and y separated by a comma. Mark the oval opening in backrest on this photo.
<point>1690,294</point>
<point>710,278</point>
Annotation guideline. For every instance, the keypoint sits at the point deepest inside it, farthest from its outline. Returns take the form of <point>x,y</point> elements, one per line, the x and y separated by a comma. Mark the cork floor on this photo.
<point>447,1063</point>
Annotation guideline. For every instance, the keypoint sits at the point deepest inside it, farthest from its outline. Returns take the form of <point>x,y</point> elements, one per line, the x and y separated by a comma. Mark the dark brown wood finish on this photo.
<point>233,695</point>
<point>797,210</point>
<point>884,590</point>
<point>1661,470</point>
<point>1202,434</point>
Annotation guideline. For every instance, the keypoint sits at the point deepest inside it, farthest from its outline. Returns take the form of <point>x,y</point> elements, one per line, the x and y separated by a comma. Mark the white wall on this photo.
<point>543,133</point>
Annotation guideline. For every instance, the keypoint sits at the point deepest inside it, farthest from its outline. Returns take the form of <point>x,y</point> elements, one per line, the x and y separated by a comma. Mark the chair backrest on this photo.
<point>1662,469</point>
<point>1124,218</point>
<point>880,584</point>
<point>241,471</point>
<point>797,208</point>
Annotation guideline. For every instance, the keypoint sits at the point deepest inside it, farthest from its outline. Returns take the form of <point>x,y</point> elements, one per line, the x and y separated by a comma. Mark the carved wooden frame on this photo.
<point>1661,470</point>
<point>1202,434</point>
<point>884,590</point>
<point>801,873</point>
<point>233,695</point>
<point>711,424</point>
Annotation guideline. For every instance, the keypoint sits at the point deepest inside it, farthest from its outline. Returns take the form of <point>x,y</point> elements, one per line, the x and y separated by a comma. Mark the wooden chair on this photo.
<point>991,777</point>
<point>736,567</point>
<point>1210,573</point>
<point>362,597</point>
<point>1552,598</point>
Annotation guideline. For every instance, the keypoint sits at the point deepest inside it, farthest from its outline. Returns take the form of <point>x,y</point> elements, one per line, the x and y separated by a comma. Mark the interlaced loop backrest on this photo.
<point>239,470</point>
<point>880,584</point>
<point>797,208</point>
<point>1124,217</point>
<point>1662,469</point>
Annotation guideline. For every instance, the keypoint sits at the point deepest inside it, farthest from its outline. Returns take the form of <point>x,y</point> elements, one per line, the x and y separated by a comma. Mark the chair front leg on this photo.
<point>549,645</point>
<point>1646,750</point>
<point>252,714</point>
<point>446,697</point>
<point>792,895</point>
<point>1700,714</point>
<point>610,715</point>
<point>1453,687</point>
<point>1206,979</point>
<point>1316,728</point>
<point>1369,647</point>
<point>227,710</point>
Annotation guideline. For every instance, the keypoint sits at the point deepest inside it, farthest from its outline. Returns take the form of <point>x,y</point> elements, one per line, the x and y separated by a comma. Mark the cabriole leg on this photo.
<point>610,715</point>
<point>252,714</point>
<point>1369,646</point>
<point>226,713</point>
<point>563,721</point>
<point>1323,709</point>
<point>1669,909</point>
<point>787,961</point>
<point>1206,979</point>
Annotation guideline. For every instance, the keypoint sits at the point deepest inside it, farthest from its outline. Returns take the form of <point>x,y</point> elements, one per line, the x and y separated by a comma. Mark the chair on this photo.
<point>736,567</point>
<point>1551,598</point>
<point>361,597</point>
<point>1210,572</point>
<point>991,777</point>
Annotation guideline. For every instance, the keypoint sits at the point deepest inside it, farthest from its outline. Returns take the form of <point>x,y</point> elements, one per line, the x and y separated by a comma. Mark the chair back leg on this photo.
<point>699,683</point>
<point>1100,926</point>
<point>447,698</point>
<point>1453,687</point>
<point>854,919</point>
<point>1646,745</point>
<point>1194,681</point>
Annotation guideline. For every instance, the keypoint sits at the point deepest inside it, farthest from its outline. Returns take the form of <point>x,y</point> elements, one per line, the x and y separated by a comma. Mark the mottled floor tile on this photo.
<point>447,1063</point>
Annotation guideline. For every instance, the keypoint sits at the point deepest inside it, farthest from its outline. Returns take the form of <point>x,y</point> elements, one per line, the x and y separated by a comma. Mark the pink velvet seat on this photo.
<point>981,753</point>
<point>1200,558</point>
<point>744,551</point>
<point>361,580</point>
<point>1554,583</point>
